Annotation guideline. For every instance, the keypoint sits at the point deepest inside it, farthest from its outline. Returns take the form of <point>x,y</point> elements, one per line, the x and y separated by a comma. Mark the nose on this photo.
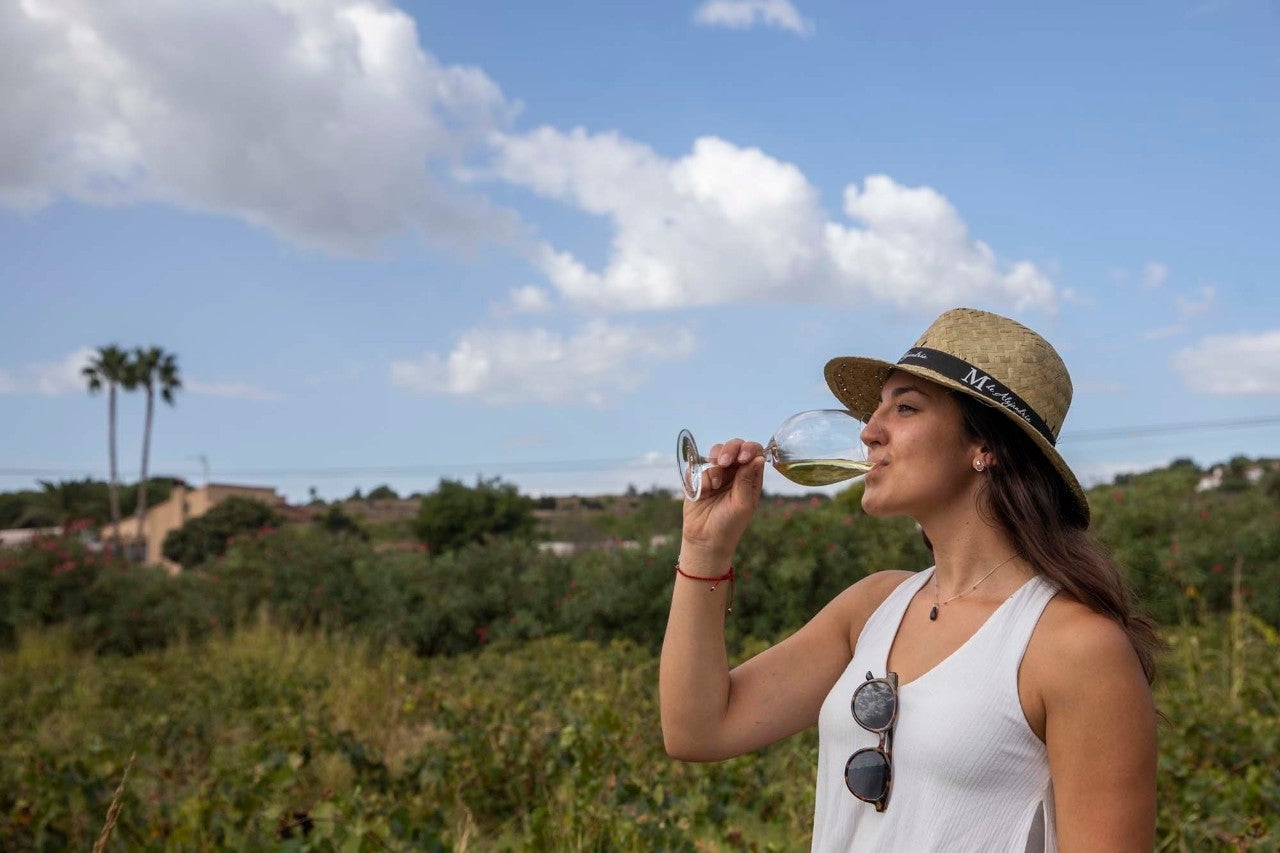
<point>872,432</point>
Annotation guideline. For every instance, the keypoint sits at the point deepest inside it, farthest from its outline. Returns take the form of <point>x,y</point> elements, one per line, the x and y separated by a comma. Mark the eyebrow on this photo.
<point>904,389</point>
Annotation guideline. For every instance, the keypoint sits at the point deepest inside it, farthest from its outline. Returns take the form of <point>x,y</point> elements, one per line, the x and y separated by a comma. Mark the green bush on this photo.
<point>203,538</point>
<point>334,520</point>
<point>47,581</point>
<point>456,515</point>
<point>268,738</point>
<point>133,609</point>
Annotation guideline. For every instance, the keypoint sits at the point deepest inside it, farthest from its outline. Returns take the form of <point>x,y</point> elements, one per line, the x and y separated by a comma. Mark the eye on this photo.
<point>904,409</point>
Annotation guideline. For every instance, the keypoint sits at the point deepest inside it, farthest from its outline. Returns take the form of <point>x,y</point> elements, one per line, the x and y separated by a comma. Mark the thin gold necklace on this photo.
<point>933,611</point>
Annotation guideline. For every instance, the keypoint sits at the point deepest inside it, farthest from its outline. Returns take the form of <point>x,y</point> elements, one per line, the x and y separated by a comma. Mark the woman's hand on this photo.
<point>714,523</point>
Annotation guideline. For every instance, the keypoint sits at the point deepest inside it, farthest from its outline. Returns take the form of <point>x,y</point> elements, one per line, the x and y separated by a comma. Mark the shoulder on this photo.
<point>1073,632</point>
<point>1074,647</point>
<point>871,591</point>
<point>859,601</point>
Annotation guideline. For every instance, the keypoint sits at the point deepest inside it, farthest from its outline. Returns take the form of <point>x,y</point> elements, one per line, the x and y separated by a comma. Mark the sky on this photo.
<point>395,242</point>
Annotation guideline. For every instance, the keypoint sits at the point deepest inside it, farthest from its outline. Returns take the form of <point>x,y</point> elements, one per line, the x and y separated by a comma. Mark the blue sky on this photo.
<point>394,242</point>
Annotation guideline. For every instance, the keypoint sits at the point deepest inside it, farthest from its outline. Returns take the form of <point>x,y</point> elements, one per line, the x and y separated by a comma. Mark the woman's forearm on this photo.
<point>693,677</point>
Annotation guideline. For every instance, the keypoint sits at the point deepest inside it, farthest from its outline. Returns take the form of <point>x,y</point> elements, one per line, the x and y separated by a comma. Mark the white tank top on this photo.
<point>968,772</point>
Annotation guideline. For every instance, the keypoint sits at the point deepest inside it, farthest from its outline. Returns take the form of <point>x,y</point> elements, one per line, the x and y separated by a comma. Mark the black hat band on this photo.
<point>959,370</point>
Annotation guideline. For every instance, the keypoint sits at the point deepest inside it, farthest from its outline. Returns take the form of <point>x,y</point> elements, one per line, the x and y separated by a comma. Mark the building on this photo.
<point>19,536</point>
<point>183,505</point>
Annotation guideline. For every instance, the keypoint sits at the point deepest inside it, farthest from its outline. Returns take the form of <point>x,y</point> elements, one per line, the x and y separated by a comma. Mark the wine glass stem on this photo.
<point>711,463</point>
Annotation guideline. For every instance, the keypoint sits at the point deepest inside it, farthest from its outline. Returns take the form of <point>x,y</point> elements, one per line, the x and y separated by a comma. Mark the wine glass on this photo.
<point>813,448</point>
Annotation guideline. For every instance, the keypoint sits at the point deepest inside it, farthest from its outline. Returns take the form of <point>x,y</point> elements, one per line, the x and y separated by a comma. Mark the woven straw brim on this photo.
<point>857,382</point>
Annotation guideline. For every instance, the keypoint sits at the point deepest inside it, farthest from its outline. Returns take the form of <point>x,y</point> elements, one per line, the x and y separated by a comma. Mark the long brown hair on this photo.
<point>1027,498</point>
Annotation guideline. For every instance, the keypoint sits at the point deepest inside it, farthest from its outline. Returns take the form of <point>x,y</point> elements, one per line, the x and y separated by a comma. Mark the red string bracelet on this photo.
<point>728,576</point>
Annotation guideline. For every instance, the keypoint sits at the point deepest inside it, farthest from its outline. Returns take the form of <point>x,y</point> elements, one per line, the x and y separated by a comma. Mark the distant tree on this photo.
<point>13,506</point>
<point>74,500</point>
<point>64,501</point>
<point>155,371</point>
<point>206,537</point>
<point>356,495</point>
<point>383,493</point>
<point>111,368</point>
<point>456,514</point>
<point>334,520</point>
<point>1270,484</point>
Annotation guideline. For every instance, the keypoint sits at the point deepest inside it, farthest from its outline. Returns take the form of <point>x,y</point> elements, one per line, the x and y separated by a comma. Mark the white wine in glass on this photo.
<point>814,448</point>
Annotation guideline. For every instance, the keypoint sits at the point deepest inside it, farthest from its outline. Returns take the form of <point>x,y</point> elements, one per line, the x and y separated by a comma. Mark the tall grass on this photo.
<point>270,738</point>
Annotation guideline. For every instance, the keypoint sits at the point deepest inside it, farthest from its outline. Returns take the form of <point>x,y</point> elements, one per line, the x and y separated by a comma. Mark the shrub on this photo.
<point>207,536</point>
<point>456,515</point>
<point>47,581</point>
<point>334,520</point>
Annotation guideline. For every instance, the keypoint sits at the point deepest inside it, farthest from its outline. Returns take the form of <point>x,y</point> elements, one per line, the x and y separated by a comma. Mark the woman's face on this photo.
<point>924,458</point>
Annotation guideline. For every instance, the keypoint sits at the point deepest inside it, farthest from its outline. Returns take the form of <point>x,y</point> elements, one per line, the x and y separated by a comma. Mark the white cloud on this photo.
<point>1244,364</point>
<point>730,224</point>
<point>1154,274</point>
<point>234,390</point>
<point>530,300</point>
<point>591,367</point>
<point>324,121</point>
<point>914,250</point>
<point>1188,307</point>
<point>49,379</point>
<point>745,14</point>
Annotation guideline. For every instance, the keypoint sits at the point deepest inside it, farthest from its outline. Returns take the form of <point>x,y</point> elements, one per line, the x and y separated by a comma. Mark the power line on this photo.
<point>580,465</point>
<point>1158,429</point>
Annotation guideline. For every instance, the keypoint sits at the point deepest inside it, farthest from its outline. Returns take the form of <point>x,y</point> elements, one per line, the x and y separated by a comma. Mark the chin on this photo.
<point>875,508</point>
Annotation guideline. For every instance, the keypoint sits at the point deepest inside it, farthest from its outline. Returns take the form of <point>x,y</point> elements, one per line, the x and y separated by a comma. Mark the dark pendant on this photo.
<point>933,613</point>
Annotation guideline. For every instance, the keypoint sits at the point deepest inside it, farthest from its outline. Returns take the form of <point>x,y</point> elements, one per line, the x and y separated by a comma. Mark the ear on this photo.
<point>983,456</point>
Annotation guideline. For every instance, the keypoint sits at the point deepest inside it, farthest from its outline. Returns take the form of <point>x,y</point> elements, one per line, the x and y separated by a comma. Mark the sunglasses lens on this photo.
<point>874,705</point>
<point>867,774</point>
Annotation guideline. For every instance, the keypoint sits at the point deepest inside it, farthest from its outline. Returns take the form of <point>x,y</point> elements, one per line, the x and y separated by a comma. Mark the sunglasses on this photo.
<point>868,773</point>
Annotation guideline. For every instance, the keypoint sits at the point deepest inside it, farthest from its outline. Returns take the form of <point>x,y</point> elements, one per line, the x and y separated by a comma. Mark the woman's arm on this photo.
<point>709,713</point>
<point>1100,730</point>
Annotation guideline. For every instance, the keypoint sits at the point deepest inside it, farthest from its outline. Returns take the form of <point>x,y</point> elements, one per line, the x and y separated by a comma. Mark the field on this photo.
<point>313,690</point>
<point>274,739</point>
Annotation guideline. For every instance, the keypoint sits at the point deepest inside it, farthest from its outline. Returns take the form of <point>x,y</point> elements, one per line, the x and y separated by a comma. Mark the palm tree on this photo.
<point>155,370</point>
<point>111,367</point>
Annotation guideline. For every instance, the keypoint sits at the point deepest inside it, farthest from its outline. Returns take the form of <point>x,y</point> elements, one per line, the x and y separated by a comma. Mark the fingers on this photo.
<point>728,458</point>
<point>749,481</point>
<point>735,451</point>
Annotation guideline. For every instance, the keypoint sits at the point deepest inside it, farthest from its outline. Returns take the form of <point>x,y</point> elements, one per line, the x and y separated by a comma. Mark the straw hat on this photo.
<point>991,358</point>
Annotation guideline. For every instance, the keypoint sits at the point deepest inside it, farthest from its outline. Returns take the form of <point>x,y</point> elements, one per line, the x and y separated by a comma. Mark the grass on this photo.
<point>267,739</point>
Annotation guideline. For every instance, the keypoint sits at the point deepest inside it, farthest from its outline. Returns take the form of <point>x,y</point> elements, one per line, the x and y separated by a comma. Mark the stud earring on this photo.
<point>978,465</point>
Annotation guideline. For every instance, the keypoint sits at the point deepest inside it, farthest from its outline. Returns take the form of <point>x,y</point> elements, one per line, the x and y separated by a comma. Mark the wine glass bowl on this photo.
<point>813,448</point>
